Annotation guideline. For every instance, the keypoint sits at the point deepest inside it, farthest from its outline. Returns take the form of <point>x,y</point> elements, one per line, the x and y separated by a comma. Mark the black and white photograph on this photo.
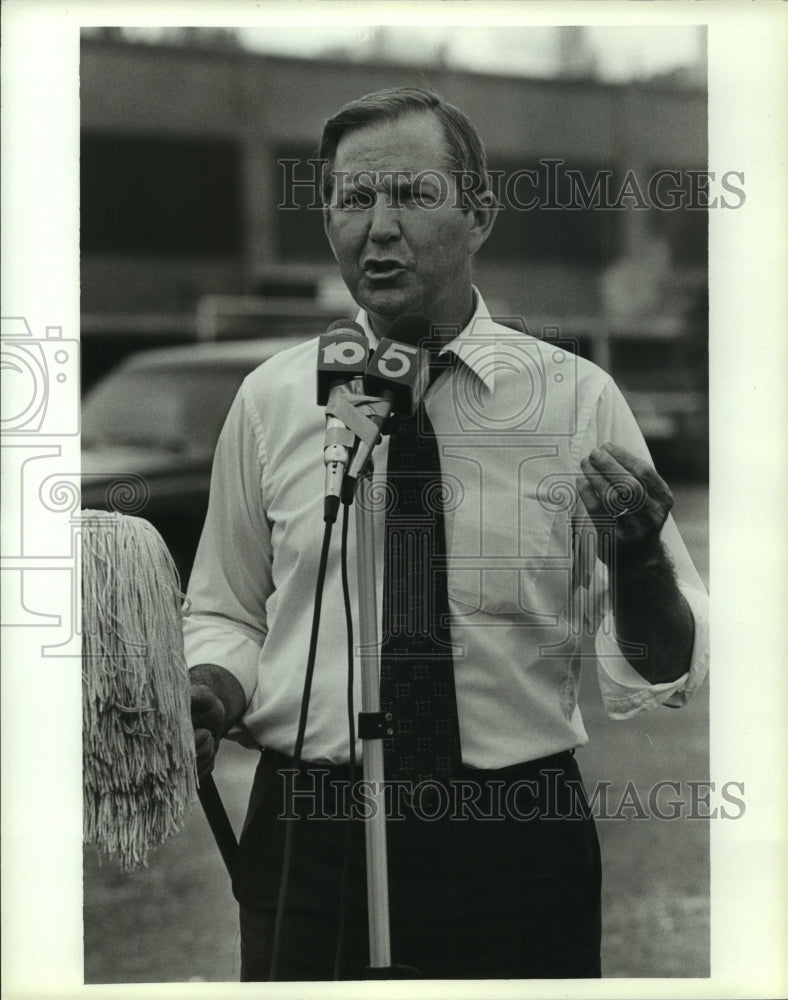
<point>368,503</point>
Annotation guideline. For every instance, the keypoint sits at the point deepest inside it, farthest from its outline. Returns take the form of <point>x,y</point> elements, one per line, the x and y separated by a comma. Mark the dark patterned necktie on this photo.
<point>417,669</point>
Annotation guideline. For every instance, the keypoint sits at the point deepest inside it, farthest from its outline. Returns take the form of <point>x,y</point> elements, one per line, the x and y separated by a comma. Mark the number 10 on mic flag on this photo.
<point>342,355</point>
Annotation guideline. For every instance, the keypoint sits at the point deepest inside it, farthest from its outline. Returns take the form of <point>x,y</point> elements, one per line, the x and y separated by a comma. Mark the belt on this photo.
<point>513,772</point>
<point>324,783</point>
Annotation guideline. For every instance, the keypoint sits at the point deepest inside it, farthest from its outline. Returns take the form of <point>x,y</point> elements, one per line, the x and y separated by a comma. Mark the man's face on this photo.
<point>402,242</point>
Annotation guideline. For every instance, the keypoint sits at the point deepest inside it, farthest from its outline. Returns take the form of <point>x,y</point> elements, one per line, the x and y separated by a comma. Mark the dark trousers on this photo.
<point>496,877</point>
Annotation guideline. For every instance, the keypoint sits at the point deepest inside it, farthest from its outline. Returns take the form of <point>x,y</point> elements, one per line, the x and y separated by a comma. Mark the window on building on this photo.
<point>160,195</point>
<point>299,216</point>
<point>553,210</point>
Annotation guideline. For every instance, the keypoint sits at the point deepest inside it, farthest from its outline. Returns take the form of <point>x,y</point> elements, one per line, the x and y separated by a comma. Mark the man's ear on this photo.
<point>481,219</point>
<point>327,229</point>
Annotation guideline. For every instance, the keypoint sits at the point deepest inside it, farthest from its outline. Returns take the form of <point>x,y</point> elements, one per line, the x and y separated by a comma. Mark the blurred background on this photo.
<point>182,243</point>
<point>183,131</point>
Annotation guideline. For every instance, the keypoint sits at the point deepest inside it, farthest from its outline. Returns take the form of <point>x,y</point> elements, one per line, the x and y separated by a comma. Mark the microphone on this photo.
<point>397,373</point>
<point>341,362</point>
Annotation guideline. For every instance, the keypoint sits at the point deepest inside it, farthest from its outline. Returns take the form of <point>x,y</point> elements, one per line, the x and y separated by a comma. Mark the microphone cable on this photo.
<point>287,849</point>
<point>351,722</point>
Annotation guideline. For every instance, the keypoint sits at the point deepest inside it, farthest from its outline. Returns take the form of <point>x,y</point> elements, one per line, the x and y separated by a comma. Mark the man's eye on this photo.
<point>355,200</point>
<point>419,196</point>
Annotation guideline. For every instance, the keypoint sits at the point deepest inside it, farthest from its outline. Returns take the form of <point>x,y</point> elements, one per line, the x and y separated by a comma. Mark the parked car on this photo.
<point>149,430</point>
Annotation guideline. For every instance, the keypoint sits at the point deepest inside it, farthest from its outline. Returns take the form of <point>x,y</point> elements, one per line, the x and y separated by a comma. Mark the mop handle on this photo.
<point>219,822</point>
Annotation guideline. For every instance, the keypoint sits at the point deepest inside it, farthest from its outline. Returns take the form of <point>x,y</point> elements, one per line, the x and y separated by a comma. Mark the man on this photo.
<point>534,449</point>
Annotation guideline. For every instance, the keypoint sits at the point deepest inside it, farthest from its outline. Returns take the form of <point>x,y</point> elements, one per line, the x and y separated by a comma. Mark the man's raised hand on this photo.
<point>621,487</point>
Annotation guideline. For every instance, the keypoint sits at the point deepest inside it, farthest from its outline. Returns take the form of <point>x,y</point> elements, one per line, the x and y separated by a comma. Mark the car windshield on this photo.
<point>177,410</point>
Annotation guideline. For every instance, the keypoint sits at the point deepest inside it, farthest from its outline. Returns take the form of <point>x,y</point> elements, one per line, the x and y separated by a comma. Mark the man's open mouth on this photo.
<point>379,269</point>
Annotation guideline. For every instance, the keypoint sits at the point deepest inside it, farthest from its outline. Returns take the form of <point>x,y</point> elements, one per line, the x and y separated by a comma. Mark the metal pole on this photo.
<point>375,826</point>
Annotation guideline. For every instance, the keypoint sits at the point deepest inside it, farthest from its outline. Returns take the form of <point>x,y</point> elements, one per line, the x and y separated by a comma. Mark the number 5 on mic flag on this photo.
<point>397,371</point>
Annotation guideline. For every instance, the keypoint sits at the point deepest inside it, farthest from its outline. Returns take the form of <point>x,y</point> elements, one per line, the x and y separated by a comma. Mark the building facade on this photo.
<point>197,182</point>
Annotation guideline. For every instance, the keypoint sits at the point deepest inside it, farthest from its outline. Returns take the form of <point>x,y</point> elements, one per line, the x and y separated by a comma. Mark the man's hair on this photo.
<point>463,144</point>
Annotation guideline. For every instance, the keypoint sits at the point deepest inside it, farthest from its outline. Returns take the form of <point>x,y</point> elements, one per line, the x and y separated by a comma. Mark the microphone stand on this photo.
<point>373,725</point>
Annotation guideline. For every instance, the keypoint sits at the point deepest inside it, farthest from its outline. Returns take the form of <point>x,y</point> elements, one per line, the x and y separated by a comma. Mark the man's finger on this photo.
<point>652,480</point>
<point>607,464</point>
<point>592,503</point>
<point>600,487</point>
<point>203,740</point>
<point>207,711</point>
<point>619,489</point>
<point>205,750</point>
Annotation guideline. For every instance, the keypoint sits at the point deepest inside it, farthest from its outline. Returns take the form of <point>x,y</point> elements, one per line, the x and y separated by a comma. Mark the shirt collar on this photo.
<point>474,345</point>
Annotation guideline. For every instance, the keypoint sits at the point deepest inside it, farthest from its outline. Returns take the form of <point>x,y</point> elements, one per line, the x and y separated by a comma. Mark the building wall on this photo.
<point>161,235</point>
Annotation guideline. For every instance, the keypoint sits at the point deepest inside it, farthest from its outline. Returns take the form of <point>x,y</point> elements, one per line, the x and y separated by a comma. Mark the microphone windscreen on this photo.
<point>342,355</point>
<point>399,368</point>
<point>346,324</point>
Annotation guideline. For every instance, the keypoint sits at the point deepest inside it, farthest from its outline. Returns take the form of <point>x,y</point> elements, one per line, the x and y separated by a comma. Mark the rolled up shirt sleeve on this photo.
<point>625,692</point>
<point>225,613</point>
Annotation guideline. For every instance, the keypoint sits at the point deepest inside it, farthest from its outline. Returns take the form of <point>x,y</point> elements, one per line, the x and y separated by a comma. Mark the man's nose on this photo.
<point>384,220</point>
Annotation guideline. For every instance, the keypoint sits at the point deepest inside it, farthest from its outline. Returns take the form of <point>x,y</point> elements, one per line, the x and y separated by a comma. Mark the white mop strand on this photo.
<point>139,772</point>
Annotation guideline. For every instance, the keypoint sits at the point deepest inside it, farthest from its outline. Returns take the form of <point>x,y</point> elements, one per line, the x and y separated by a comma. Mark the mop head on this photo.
<point>139,771</point>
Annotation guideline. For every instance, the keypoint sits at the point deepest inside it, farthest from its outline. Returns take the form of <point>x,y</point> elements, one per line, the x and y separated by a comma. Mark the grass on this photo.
<point>656,881</point>
<point>177,921</point>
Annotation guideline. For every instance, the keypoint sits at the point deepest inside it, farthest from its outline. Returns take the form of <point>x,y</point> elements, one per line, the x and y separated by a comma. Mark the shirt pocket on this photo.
<point>517,568</point>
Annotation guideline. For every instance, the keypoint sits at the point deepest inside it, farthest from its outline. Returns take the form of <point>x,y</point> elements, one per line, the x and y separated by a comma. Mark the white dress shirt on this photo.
<point>513,419</point>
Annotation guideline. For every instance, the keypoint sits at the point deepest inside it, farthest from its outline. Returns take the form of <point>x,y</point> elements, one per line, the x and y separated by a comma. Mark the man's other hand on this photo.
<point>620,486</point>
<point>217,702</point>
<point>208,718</point>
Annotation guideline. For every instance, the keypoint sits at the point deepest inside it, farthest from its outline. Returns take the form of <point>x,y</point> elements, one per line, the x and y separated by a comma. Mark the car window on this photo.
<point>173,409</point>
